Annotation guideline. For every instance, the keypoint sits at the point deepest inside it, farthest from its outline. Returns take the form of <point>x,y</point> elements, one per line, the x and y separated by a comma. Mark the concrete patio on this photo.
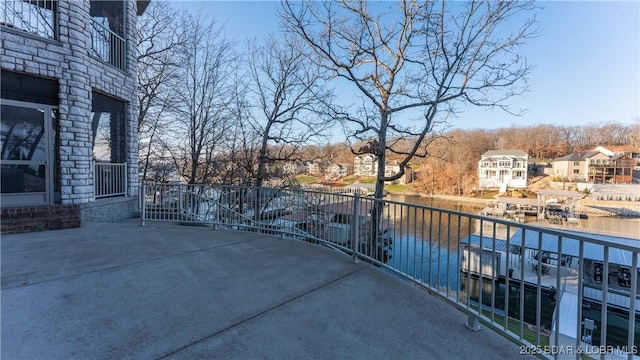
<point>120,290</point>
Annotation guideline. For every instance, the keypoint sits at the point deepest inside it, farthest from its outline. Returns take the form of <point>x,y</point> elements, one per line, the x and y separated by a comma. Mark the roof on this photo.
<point>620,157</point>
<point>570,246</point>
<point>567,193</point>
<point>142,6</point>
<point>592,154</point>
<point>517,201</point>
<point>487,242</point>
<point>505,152</point>
<point>620,148</point>
<point>346,207</point>
<point>572,157</point>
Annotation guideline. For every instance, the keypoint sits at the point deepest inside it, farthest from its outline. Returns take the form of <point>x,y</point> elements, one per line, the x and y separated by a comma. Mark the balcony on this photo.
<point>110,179</point>
<point>38,18</point>
<point>106,45</point>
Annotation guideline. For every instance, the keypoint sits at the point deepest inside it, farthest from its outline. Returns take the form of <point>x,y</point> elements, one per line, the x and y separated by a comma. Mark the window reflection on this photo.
<point>23,149</point>
<point>23,178</point>
<point>22,134</point>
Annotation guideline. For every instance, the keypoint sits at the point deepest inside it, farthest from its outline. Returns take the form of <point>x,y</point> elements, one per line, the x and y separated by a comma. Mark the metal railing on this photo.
<point>550,290</point>
<point>110,179</point>
<point>37,17</point>
<point>107,46</point>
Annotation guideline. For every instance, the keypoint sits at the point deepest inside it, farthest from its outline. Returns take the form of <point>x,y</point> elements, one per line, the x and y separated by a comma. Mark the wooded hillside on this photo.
<point>451,167</point>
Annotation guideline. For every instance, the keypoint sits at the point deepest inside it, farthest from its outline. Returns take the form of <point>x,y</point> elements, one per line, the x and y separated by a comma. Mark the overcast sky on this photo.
<point>587,60</point>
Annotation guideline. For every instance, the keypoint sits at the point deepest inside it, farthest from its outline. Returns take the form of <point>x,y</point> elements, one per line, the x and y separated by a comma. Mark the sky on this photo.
<point>587,61</point>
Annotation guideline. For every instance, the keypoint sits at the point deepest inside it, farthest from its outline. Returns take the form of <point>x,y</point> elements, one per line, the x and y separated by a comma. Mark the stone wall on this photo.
<point>39,218</point>
<point>67,60</point>
<point>108,210</point>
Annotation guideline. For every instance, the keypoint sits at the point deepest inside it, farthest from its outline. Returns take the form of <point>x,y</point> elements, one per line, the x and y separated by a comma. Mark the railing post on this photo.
<point>179,208</point>
<point>142,203</point>
<point>356,228</point>
<point>126,180</point>
<point>473,321</point>
<point>95,179</point>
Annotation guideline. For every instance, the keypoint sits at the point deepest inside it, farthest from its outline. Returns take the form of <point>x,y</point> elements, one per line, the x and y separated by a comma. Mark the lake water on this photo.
<point>435,262</point>
<point>607,225</point>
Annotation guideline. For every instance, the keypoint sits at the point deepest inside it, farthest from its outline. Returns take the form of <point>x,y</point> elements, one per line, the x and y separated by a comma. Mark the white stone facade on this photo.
<point>67,59</point>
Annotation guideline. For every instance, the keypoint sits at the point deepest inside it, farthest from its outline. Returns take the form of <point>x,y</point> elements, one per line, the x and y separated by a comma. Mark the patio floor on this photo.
<point>120,290</point>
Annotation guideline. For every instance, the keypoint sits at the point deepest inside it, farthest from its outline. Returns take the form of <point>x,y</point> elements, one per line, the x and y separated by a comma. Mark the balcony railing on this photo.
<point>107,46</point>
<point>544,288</point>
<point>37,17</point>
<point>110,179</point>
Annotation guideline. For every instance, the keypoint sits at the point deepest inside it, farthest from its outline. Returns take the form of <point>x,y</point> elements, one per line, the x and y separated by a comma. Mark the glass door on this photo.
<point>26,174</point>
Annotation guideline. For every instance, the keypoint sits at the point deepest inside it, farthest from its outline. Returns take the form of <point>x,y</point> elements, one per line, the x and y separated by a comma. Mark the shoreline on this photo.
<point>605,208</point>
<point>444,197</point>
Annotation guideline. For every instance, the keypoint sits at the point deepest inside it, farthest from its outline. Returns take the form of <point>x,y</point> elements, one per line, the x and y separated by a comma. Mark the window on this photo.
<point>576,171</point>
<point>28,139</point>
<point>576,163</point>
<point>26,153</point>
<point>108,125</point>
<point>504,163</point>
<point>37,17</point>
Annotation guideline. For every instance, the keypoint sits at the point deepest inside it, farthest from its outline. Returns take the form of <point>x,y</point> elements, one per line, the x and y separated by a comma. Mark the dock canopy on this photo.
<point>565,193</point>
<point>517,201</point>
<point>571,245</point>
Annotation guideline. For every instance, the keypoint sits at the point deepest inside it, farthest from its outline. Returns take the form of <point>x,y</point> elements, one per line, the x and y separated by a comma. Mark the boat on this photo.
<point>519,206</point>
<point>334,223</point>
<point>494,209</point>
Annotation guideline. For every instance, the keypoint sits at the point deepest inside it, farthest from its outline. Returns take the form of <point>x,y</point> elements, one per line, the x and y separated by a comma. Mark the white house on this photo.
<point>503,169</point>
<point>365,165</point>
<point>336,171</point>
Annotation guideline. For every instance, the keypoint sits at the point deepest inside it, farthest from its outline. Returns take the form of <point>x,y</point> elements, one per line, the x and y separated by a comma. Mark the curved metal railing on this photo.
<point>546,288</point>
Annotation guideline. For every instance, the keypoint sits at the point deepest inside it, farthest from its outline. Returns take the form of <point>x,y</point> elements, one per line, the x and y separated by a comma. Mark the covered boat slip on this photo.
<point>521,267</point>
<point>555,205</point>
<point>619,260</point>
<point>564,275</point>
<point>618,277</point>
<point>525,204</point>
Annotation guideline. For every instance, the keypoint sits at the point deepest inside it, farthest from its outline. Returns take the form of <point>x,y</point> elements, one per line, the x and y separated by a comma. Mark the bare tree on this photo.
<point>634,133</point>
<point>203,98</point>
<point>236,163</point>
<point>159,42</point>
<point>288,93</point>
<point>422,59</point>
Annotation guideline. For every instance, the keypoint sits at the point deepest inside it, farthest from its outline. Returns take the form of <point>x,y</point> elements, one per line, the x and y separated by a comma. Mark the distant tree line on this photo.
<point>215,111</point>
<point>452,164</point>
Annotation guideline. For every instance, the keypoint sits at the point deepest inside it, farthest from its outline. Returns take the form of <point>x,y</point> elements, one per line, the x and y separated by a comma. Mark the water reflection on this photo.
<point>427,261</point>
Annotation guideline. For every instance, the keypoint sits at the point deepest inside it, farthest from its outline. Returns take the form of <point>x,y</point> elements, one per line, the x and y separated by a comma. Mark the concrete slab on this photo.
<point>124,291</point>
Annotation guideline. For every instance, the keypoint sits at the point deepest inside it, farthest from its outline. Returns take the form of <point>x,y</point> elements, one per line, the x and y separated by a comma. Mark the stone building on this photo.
<point>68,124</point>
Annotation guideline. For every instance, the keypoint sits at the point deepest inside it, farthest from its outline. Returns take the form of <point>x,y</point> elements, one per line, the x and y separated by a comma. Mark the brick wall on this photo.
<point>39,218</point>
